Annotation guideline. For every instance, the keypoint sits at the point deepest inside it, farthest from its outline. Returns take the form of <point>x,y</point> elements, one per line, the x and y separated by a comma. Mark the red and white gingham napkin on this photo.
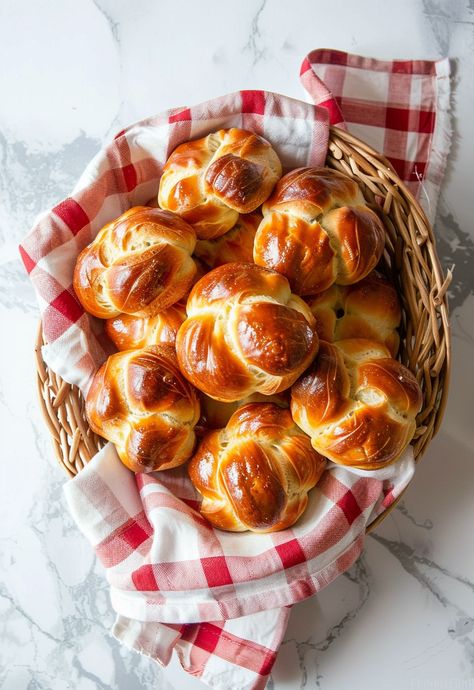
<point>399,107</point>
<point>220,600</point>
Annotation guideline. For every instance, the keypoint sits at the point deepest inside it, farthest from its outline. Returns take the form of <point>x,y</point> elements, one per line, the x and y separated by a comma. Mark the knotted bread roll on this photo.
<point>139,400</point>
<point>208,182</point>
<point>256,473</point>
<point>133,332</point>
<point>357,404</point>
<point>245,333</point>
<point>369,309</point>
<point>138,264</point>
<point>317,230</point>
<point>234,245</point>
<point>129,332</point>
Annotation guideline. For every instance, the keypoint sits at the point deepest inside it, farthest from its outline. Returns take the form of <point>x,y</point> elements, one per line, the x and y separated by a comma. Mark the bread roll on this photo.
<point>138,264</point>
<point>245,333</point>
<point>369,309</point>
<point>357,404</point>
<point>234,245</point>
<point>140,401</point>
<point>256,473</point>
<point>209,181</point>
<point>317,230</point>
<point>133,332</point>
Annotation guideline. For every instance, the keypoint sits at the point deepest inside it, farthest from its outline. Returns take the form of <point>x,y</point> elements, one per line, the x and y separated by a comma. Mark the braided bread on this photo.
<point>245,333</point>
<point>317,230</point>
<point>357,404</point>
<point>256,473</point>
<point>208,182</point>
<point>139,400</point>
<point>139,264</point>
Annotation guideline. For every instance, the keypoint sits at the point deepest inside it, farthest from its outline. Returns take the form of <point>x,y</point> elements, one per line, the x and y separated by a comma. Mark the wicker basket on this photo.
<point>410,260</point>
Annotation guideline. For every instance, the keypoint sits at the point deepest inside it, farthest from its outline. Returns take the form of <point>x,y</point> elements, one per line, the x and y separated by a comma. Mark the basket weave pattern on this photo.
<point>410,260</point>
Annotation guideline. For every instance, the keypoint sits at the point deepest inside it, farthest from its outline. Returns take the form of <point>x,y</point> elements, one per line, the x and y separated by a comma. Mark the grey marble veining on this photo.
<point>255,45</point>
<point>74,73</point>
<point>309,650</point>
<point>437,580</point>
<point>32,181</point>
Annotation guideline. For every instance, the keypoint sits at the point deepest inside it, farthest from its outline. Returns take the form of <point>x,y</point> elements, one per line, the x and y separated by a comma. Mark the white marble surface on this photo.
<point>73,72</point>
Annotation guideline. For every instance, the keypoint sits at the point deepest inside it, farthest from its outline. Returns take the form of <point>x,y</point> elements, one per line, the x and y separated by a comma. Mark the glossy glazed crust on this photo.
<point>133,332</point>
<point>369,309</point>
<point>215,414</point>
<point>357,404</point>
<point>209,181</point>
<point>234,245</point>
<point>140,401</point>
<point>245,333</point>
<point>317,231</point>
<point>138,264</point>
<point>256,473</point>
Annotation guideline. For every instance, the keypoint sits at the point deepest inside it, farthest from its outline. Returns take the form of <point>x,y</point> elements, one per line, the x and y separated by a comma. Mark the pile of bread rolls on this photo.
<point>255,339</point>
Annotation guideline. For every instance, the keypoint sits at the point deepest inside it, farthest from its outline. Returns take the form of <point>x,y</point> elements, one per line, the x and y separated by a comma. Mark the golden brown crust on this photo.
<point>215,414</point>
<point>298,249</point>
<point>369,309</point>
<point>129,332</point>
<point>317,230</point>
<point>139,400</point>
<point>234,180</point>
<point>208,182</point>
<point>357,404</point>
<point>359,236</point>
<point>274,337</point>
<point>207,361</point>
<point>243,279</point>
<point>256,473</point>
<point>234,245</point>
<point>245,333</point>
<point>132,332</point>
<point>138,264</point>
<point>315,190</point>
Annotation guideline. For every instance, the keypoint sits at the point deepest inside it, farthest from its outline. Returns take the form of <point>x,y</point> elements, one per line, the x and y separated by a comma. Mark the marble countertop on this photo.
<point>73,73</point>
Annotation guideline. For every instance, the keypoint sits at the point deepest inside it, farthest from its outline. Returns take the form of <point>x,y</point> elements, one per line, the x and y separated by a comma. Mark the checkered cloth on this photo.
<point>220,600</point>
<point>399,107</point>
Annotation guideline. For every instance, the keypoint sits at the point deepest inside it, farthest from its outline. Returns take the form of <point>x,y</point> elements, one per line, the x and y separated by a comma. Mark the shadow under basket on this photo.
<point>410,261</point>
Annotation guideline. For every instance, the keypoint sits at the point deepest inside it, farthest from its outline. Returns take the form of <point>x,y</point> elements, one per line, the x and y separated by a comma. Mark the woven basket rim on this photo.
<point>62,404</point>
